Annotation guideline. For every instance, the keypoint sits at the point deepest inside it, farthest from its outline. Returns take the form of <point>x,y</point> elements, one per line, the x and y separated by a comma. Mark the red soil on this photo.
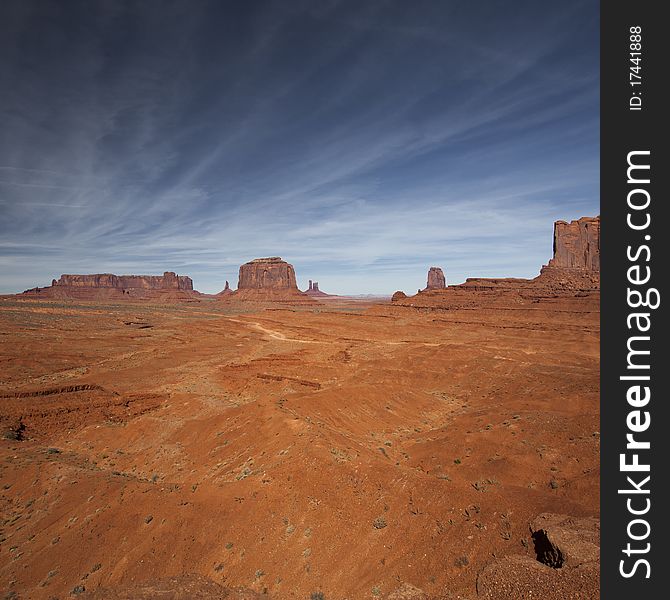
<point>343,447</point>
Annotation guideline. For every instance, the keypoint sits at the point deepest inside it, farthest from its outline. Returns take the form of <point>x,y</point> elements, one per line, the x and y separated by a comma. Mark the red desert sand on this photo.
<point>162,443</point>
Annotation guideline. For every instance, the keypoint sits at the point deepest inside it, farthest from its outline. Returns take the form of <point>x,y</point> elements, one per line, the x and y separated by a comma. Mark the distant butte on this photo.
<point>574,269</point>
<point>106,285</point>
<point>314,291</point>
<point>576,260</point>
<point>226,290</point>
<point>267,274</point>
<point>436,279</point>
<point>577,244</point>
<point>268,279</point>
<point>168,280</point>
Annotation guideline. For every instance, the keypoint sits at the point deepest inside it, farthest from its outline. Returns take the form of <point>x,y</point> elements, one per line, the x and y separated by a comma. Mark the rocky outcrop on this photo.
<point>267,274</point>
<point>436,279</point>
<point>566,563</point>
<point>314,291</point>
<point>575,264</point>
<point>574,270</point>
<point>268,280</point>
<point>168,281</point>
<point>100,286</point>
<point>577,244</point>
<point>399,295</point>
<point>564,541</point>
<point>226,290</point>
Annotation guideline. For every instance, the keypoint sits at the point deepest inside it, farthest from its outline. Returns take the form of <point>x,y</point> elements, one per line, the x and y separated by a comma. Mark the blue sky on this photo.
<point>362,141</point>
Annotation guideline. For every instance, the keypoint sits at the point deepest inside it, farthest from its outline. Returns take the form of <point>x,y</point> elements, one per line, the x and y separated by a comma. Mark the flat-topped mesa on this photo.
<point>267,280</point>
<point>436,279</point>
<point>267,274</point>
<point>168,281</point>
<point>98,286</point>
<point>577,244</point>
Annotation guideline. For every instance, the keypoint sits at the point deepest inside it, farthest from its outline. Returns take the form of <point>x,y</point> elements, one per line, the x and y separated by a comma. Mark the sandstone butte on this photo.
<point>577,244</point>
<point>436,279</point>
<point>168,280</point>
<point>268,279</point>
<point>107,285</point>
<point>573,269</point>
<point>267,274</point>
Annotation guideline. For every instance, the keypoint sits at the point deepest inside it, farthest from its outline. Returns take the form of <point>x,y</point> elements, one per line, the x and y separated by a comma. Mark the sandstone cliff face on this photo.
<point>267,280</point>
<point>104,286</point>
<point>577,244</point>
<point>436,279</point>
<point>167,281</point>
<point>267,274</point>
<point>574,270</point>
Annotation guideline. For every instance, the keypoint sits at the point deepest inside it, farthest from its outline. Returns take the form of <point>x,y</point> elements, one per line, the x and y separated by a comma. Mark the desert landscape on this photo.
<point>265,442</point>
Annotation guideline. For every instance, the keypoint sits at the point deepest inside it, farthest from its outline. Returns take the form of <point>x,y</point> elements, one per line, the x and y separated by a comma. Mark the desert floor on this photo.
<point>347,447</point>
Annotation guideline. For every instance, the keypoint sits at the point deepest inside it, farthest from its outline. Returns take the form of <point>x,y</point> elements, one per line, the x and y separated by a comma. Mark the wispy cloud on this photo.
<point>362,142</point>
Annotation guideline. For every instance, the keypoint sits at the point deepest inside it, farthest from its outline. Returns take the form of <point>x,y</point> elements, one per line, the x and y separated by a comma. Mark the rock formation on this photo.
<point>314,291</point>
<point>566,563</point>
<point>267,274</point>
<point>399,295</point>
<point>576,260</point>
<point>566,541</point>
<point>573,270</point>
<point>106,285</point>
<point>268,280</point>
<point>226,290</point>
<point>168,281</point>
<point>436,279</point>
<point>577,244</point>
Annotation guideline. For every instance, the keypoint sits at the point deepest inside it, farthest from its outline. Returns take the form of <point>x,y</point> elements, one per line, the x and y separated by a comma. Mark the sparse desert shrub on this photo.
<point>317,596</point>
<point>379,523</point>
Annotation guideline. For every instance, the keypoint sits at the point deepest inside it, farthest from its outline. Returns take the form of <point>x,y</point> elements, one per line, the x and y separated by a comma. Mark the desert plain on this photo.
<point>339,449</point>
